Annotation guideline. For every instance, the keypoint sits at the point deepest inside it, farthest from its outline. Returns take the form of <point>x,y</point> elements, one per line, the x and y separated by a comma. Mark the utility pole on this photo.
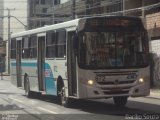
<point>9,33</point>
<point>9,39</point>
<point>53,13</point>
<point>124,7</point>
<point>73,9</point>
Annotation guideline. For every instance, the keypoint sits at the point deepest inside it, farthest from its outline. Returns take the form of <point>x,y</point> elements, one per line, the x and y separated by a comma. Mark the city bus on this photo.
<point>86,58</point>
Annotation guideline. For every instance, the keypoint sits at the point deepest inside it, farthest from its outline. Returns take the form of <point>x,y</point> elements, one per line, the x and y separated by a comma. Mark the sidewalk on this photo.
<point>154,93</point>
<point>4,76</point>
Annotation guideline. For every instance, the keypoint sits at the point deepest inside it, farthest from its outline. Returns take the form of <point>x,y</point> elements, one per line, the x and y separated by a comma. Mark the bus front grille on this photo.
<point>112,82</point>
<point>116,92</point>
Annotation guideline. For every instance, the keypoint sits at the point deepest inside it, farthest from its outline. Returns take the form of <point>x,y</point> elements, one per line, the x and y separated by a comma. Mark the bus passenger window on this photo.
<point>51,45</point>
<point>33,47</point>
<point>25,47</point>
<point>61,44</point>
<point>13,48</point>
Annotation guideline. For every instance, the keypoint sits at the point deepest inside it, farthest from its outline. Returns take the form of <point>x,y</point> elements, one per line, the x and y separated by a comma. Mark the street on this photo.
<point>15,105</point>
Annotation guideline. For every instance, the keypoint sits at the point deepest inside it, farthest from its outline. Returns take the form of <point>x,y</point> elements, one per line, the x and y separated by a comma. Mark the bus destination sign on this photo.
<point>109,22</point>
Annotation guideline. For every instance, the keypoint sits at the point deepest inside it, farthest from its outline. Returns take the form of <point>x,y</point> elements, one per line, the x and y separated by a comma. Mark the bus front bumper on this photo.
<point>107,91</point>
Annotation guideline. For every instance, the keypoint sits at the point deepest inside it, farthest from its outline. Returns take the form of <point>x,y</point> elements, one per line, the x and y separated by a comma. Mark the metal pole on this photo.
<point>73,9</point>
<point>9,40</point>
<point>123,7</point>
<point>53,12</point>
<point>143,10</point>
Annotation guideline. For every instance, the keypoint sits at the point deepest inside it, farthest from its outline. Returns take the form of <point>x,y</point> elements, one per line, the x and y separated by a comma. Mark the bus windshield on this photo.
<point>113,49</point>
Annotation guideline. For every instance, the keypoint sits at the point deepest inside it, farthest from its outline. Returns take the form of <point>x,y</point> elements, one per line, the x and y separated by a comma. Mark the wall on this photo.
<point>153,26</point>
<point>153,20</point>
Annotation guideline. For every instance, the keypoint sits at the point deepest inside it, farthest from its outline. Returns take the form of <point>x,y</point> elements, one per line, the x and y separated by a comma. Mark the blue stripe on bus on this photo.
<point>50,81</point>
<point>49,78</point>
<point>25,64</point>
<point>23,75</point>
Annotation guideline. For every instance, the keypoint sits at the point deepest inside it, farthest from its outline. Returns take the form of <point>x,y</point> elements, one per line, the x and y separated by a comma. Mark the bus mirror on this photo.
<point>75,42</point>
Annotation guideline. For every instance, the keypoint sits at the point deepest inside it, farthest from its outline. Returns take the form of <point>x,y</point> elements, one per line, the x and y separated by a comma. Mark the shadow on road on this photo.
<point>107,108</point>
<point>110,109</point>
<point>9,107</point>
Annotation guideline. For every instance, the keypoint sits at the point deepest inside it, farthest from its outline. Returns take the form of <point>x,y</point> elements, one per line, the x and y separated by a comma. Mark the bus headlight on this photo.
<point>90,82</point>
<point>141,80</point>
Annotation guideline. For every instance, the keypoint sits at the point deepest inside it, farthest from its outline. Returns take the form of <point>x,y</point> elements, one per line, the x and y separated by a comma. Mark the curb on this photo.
<point>151,97</point>
<point>154,94</point>
<point>5,74</point>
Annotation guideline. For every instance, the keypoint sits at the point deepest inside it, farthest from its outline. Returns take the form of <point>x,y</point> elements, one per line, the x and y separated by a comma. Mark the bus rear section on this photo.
<point>112,59</point>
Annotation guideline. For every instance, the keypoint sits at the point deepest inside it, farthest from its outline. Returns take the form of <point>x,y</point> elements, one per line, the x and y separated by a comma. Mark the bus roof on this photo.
<point>72,23</point>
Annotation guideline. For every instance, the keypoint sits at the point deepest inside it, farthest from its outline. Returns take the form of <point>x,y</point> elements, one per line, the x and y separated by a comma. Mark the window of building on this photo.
<point>43,23</point>
<point>13,48</point>
<point>44,10</point>
<point>50,2</point>
<point>56,2</point>
<point>42,2</point>
<point>36,1</point>
<point>38,23</point>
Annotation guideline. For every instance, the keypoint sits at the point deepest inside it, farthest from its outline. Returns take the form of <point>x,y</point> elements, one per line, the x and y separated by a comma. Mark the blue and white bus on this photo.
<point>86,58</point>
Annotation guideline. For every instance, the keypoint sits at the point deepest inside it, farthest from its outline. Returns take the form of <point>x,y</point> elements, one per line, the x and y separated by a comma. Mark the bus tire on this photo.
<point>120,101</point>
<point>62,99</point>
<point>65,101</point>
<point>28,93</point>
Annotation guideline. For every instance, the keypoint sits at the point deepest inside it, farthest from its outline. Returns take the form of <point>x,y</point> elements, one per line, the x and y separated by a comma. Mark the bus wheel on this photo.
<point>120,101</point>
<point>65,101</point>
<point>28,93</point>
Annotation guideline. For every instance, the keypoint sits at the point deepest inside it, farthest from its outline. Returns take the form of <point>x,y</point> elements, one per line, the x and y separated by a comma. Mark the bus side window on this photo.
<point>33,47</point>
<point>51,44</point>
<point>13,49</point>
<point>61,44</point>
<point>25,47</point>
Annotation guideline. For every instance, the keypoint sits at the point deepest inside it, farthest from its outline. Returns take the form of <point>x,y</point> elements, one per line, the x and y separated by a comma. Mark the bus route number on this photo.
<point>100,78</point>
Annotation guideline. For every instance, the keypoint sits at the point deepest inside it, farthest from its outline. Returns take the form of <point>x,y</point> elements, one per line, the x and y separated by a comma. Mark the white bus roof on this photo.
<point>72,23</point>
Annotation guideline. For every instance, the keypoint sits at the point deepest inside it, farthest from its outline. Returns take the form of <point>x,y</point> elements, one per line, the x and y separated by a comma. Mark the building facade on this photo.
<point>40,13</point>
<point>82,8</point>
<point>46,12</point>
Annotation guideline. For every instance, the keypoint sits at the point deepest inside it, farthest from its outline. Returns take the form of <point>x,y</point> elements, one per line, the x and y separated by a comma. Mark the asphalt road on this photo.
<point>15,106</point>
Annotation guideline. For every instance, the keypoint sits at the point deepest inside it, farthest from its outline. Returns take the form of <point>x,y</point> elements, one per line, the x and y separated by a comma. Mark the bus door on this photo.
<point>18,62</point>
<point>41,61</point>
<point>71,66</point>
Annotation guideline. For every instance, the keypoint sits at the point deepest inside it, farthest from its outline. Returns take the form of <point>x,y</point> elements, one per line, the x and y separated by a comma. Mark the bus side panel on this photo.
<point>50,83</point>
<point>30,68</point>
<point>54,69</point>
<point>13,73</point>
<point>60,69</point>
